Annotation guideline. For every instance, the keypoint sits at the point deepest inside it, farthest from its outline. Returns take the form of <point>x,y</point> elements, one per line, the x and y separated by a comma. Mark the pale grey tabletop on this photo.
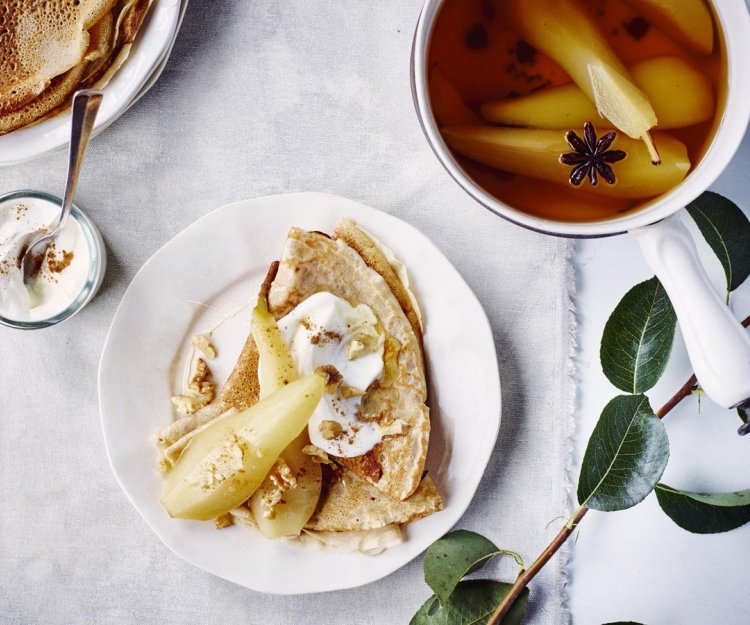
<point>264,97</point>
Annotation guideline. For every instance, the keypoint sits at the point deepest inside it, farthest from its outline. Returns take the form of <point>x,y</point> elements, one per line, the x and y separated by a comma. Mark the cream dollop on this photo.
<point>326,330</point>
<point>64,269</point>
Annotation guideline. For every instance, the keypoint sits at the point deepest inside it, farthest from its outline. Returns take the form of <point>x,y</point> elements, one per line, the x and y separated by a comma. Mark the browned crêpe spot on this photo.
<point>368,465</point>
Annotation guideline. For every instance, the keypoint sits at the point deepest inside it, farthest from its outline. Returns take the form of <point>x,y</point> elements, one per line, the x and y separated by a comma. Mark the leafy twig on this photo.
<point>558,541</point>
<point>686,391</point>
<point>526,576</point>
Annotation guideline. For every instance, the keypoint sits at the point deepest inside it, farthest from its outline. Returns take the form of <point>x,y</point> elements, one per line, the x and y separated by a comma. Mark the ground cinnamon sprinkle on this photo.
<point>55,264</point>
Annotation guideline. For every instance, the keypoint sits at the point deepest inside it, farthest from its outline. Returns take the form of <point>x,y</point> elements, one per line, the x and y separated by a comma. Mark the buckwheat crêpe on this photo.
<point>49,49</point>
<point>371,487</point>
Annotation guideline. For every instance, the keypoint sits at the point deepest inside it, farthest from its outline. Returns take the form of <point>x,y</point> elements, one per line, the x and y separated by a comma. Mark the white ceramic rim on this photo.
<point>364,569</point>
<point>734,19</point>
<point>149,50</point>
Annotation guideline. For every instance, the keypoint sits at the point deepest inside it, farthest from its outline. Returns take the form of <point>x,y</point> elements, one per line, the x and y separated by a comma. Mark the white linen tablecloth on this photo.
<point>265,97</point>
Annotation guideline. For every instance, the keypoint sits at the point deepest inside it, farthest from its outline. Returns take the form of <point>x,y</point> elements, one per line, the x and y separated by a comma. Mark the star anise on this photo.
<point>591,157</point>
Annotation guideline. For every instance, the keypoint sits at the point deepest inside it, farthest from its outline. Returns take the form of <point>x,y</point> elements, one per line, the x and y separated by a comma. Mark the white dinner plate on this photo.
<point>211,272</point>
<point>149,51</point>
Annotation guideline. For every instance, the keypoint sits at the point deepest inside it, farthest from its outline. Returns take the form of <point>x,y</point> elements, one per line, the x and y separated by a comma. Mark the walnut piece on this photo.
<point>317,454</point>
<point>282,479</point>
<point>367,340</point>
<point>201,342</point>
<point>332,377</point>
<point>330,429</point>
<point>201,390</point>
<point>224,521</point>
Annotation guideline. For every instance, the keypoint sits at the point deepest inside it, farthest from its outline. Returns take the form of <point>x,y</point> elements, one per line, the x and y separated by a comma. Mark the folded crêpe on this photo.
<point>387,486</point>
<point>352,266</point>
<point>51,48</point>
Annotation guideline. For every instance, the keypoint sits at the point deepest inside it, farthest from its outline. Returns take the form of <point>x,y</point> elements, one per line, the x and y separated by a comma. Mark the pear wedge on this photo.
<point>680,94</point>
<point>298,501</point>
<point>536,153</point>
<point>564,30</point>
<point>301,495</point>
<point>687,21</point>
<point>447,104</point>
<point>276,364</point>
<point>223,465</point>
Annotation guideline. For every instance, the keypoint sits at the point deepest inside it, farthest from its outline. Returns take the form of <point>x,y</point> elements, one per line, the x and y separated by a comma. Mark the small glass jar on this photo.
<point>96,269</point>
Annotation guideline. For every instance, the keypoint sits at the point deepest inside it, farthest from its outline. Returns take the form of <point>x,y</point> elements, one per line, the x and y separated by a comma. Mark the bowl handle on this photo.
<point>718,345</point>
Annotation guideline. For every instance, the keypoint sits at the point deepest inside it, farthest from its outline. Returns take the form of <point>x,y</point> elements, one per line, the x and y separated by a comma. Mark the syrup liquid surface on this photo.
<point>480,55</point>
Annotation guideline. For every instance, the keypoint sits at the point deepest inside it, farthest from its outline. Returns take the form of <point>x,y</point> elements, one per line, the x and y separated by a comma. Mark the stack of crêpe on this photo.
<point>51,48</point>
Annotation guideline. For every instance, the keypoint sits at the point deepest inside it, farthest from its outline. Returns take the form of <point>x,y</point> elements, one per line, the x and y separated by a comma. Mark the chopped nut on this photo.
<point>332,377</point>
<point>317,454</point>
<point>354,349</point>
<point>201,382</point>
<point>223,521</point>
<point>282,478</point>
<point>348,392</point>
<point>269,501</point>
<point>395,428</point>
<point>366,341</point>
<point>330,429</point>
<point>282,475</point>
<point>201,342</point>
<point>201,390</point>
<point>187,404</point>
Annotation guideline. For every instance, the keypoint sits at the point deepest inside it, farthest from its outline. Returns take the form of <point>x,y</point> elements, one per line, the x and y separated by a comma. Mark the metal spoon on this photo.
<point>85,107</point>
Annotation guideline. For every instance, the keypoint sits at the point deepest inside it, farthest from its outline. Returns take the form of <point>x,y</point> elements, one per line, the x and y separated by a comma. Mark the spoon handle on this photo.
<point>85,107</point>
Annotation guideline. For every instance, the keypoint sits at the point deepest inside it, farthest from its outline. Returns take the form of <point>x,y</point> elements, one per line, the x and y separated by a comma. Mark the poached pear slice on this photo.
<point>288,516</point>
<point>276,363</point>
<point>298,502</point>
<point>536,153</point>
<point>687,21</point>
<point>564,31</point>
<point>447,104</point>
<point>680,94</point>
<point>223,465</point>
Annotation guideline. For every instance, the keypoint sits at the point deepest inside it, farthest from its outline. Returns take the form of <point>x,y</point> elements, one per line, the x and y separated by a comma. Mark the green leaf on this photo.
<point>625,457</point>
<point>705,513</point>
<point>727,230</point>
<point>454,556</point>
<point>638,338</point>
<point>472,603</point>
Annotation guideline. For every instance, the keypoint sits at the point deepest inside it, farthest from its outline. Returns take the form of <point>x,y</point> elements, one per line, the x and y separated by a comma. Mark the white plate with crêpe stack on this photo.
<point>51,49</point>
<point>400,461</point>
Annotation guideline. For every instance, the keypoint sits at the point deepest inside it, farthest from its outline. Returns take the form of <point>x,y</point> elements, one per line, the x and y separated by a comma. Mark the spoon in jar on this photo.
<point>84,109</point>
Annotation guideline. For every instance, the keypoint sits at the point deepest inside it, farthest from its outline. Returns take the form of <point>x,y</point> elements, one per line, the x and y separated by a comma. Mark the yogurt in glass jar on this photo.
<point>71,271</point>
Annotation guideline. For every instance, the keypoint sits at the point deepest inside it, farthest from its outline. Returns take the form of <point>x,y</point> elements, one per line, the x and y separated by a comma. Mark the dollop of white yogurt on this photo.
<point>326,329</point>
<point>64,269</point>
